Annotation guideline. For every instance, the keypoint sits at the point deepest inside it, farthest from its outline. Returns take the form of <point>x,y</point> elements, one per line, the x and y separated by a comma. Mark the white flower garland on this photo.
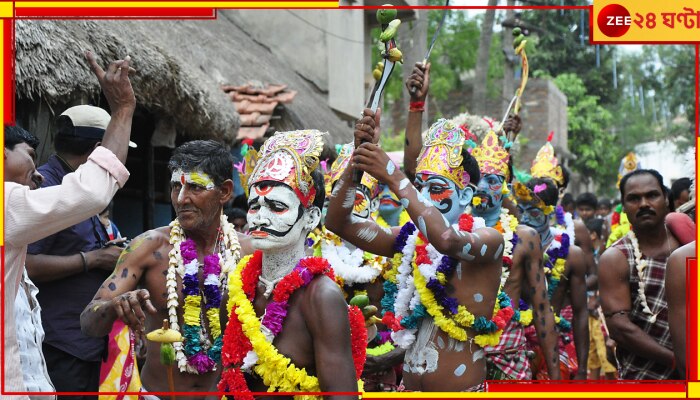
<point>351,265</point>
<point>569,226</point>
<point>227,261</point>
<point>508,247</point>
<point>641,266</point>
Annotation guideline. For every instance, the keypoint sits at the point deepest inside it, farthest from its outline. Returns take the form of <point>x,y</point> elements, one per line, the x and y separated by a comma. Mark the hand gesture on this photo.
<point>420,79</point>
<point>367,128</point>
<point>115,83</point>
<point>130,307</point>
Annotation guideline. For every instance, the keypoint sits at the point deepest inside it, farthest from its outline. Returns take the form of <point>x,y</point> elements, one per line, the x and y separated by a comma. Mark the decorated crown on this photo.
<point>492,158</point>
<point>341,163</point>
<point>546,165</point>
<point>245,168</point>
<point>523,194</point>
<point>290,158</point>
<point>442,152</point>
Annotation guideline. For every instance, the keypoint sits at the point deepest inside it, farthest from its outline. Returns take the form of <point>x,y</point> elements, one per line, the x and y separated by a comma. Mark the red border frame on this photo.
<point>210,13</point>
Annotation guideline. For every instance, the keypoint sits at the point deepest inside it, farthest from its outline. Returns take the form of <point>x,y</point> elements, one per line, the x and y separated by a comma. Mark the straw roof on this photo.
<point>181,68</point>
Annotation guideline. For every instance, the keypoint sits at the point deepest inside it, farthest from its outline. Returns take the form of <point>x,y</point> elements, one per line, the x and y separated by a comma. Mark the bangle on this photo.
<point>84,257</point>
<point>416,106</point>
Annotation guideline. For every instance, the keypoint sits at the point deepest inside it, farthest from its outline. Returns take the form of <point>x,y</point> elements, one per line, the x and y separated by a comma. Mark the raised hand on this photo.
<point>115,82</point>
<point>367,128</point>
<point>420,79</point>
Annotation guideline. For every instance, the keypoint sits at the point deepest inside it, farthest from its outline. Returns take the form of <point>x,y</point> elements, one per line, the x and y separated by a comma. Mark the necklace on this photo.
<point>351,267</point>
<point>200,350</point>
<point>506,225</point>
<point>641,265</point>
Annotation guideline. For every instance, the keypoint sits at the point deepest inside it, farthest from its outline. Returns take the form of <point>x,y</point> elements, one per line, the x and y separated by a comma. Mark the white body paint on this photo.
<point>367,234</point>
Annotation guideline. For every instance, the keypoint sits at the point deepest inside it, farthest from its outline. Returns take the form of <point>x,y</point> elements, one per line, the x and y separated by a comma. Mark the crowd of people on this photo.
<point>341,275</point>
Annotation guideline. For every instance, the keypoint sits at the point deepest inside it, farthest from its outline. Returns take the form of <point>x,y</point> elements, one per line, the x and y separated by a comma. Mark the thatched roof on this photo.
<point>181,67</point>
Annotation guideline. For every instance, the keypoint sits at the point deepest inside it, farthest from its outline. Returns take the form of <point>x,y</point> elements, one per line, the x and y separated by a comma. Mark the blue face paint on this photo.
<point>535,218</point>
<point>444,195</point>
<point>490,190</point>
<point>389,205</point>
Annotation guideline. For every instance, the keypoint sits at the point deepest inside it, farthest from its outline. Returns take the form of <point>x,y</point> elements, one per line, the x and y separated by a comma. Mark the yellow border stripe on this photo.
<point>2,105</point>
<point>184,4</point>
<point>6,9</point>
<point>534,395</point>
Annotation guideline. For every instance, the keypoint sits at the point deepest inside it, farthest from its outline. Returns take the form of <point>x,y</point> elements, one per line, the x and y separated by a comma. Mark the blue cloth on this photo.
<point>63,300</point>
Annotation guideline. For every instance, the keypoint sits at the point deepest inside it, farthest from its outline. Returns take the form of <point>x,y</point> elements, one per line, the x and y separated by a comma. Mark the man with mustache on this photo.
<point>442,291</point>
<point>290,329</point>
<point>179,273</point>
<point>522,274</point>
<point>632,290</point>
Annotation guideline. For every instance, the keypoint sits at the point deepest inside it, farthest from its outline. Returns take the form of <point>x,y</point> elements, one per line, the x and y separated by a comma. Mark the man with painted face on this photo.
<point>390,211</point>
<point>442,292</point>
<point>359,272</point>
<point>522,274</point>
<point>179,273</point>
<point>289,329</point>
<point>632,290</point>
<point>565,271</point>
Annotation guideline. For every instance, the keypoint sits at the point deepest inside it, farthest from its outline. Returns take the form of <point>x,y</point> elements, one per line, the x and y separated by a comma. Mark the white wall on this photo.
<point>663,156</point>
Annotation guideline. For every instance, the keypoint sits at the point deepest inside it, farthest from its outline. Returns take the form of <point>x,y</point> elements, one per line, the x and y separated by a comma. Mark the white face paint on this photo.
<point>276,218</point>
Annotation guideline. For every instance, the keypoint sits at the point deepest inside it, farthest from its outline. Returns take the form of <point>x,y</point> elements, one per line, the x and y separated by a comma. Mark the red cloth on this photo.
<point>681,226</point>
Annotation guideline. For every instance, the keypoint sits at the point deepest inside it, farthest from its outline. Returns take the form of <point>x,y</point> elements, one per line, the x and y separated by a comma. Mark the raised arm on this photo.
<point>118,296</point>
<point>485,245</point>
<point>577,290</point>
<point>615,299</point>
<point>330,328</point>
<point>528,254</point>
<point>420,79</point>
<point>676,295</point>
<point>363,233</point>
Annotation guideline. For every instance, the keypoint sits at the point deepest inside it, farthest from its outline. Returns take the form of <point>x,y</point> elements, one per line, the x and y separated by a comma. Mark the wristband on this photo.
<point>84,257</point>
<point>416,106</point>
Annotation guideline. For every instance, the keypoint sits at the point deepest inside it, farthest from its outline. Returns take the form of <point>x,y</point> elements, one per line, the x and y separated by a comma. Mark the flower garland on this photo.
<point>351,267</point>
<point>199,352</point>
<point>555,266</point>
<point>507,224</point>
<point>248,343</point>
<point>429,272</point>
<point>641,266</point>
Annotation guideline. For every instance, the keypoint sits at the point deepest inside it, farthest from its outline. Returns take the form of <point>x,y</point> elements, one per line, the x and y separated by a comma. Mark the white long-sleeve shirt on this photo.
<point>33,214</point>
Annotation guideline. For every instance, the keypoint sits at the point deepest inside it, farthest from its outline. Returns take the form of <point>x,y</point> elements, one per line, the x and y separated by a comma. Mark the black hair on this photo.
<point>241,201</point>
<point>567,199</point>
<point>206,155</point>
<point>471,167</point>
<point>604,203</point>
<point>651,172</point>
<point>567,175</point>
<point>595,225</point>
<point>66,142</point>
<point>679,186</point>
<point>235,212</point>
<point>15,135</point>
<point>587,199</point>
<point>549,195</point>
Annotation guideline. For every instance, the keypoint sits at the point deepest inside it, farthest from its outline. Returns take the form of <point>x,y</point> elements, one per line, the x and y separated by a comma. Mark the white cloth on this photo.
<point>30,335</point>
<point>34,214</point>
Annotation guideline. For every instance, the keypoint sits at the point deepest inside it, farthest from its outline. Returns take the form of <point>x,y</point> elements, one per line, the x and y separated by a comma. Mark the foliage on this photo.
<point>393,143</point>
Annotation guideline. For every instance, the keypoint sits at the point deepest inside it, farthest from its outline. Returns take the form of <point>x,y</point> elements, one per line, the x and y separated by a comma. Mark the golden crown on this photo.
<point>341,163</point>
<point>442,153</point>
<point>546,165</point>
<point>628,164</point>
<point>290,158</point>
<point>246,167</point>
<point>492,158</point>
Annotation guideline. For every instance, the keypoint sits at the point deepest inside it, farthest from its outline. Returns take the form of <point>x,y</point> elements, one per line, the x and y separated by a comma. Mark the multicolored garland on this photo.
<point>248,341</point>
<point>429,272</point>
<point>200,351</point>
<point>555,258</point>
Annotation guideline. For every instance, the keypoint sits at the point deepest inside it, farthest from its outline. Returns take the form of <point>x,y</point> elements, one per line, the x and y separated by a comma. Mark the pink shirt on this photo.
<point>33,214</point>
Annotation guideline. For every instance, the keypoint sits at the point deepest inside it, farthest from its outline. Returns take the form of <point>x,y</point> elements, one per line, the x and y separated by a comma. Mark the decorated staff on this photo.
<point>391,55</point>
<point>166,337</point>
<point>519,45</point>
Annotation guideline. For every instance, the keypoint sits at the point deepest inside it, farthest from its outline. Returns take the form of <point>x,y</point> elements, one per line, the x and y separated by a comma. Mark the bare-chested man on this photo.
<point>443,308</point>
<point>290,329</point>
<point>147,284</point>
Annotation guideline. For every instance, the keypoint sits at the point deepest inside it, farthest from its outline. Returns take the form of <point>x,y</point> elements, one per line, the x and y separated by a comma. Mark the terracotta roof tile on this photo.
<point>256,105</point>
<point>254,132</point>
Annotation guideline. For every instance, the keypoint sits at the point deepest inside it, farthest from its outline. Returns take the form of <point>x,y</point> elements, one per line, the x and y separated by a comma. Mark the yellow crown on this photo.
<point>370,183</point>
<point>290,158</point>
<point>523,194</point>
<point>492,158</point>
<point>339,165</point>
<point>546,165</point>
<point>442,153</point>
<point>246,168</point>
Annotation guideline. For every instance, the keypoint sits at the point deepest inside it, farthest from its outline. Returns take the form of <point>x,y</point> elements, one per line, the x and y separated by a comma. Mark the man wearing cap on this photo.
<point>69,266</point>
